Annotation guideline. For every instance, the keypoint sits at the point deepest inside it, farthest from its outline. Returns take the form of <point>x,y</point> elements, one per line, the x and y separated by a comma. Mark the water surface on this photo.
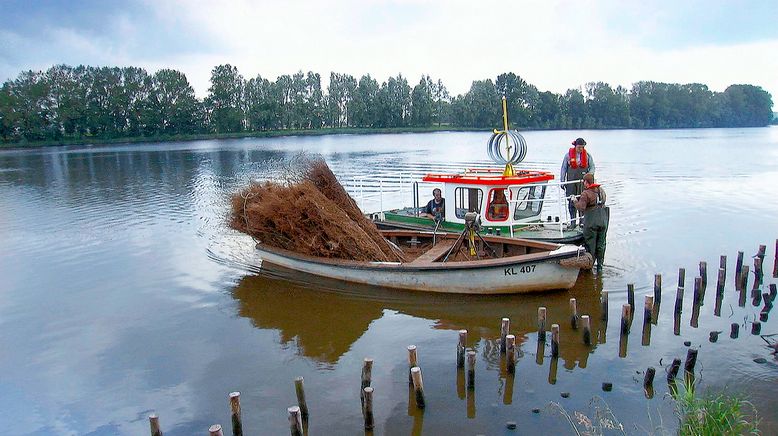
<point>124,293</point>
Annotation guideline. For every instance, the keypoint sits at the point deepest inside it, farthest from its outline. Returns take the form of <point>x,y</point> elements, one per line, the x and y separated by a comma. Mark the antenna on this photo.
<point>513,153</point>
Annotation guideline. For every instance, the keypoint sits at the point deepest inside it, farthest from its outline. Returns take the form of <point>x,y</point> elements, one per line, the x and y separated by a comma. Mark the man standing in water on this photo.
<point>591,204</point>
<point>576,163</point>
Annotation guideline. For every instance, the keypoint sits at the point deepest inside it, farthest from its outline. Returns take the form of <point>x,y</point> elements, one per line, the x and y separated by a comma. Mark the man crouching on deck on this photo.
<point>591,204</point>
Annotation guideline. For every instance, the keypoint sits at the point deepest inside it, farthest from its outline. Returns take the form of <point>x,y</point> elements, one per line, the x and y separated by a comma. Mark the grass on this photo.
<point>715,414</point>
<point>709,415</point>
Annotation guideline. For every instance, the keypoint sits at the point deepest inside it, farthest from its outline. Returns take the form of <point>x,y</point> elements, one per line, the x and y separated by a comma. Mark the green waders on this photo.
<point>595,227</point>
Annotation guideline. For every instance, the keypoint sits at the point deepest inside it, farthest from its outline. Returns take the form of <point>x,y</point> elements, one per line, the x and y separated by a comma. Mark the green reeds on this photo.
<point>715,414</point>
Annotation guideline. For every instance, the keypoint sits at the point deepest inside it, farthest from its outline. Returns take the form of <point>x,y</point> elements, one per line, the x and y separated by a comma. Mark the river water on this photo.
<point>123,292</point>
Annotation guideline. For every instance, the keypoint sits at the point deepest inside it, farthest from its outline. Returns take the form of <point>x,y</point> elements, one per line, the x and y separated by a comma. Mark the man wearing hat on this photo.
<point>576,163</point>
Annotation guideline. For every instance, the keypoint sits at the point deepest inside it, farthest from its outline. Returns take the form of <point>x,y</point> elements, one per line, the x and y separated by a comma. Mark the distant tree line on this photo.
<point>74,103</point>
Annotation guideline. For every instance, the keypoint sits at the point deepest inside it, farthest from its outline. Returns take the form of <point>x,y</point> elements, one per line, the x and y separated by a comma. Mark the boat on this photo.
<point>466,263</point>
<point>482,190</point>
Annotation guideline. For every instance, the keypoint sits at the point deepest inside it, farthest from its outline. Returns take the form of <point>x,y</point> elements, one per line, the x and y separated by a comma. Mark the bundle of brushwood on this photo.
<point>309,213</point>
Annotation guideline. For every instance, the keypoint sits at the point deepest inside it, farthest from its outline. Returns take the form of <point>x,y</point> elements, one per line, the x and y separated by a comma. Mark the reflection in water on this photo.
<point>324,319</point>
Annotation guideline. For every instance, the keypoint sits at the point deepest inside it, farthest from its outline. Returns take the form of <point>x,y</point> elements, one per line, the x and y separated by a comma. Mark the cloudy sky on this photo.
<point>555,45</point>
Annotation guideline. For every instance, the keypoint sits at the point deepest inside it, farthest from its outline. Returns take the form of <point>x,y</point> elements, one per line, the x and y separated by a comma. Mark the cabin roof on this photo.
<point>490,177</point>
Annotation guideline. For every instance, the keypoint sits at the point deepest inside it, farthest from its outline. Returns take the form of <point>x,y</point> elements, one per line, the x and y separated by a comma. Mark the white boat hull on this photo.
<point>518,274</point>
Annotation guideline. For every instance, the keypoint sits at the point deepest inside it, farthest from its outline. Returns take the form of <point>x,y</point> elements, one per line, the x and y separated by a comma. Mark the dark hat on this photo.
<point>579,141</point>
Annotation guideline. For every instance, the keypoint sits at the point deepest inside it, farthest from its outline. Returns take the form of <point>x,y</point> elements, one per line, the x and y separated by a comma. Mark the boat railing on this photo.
<point>373,190</point>
<point>560,199</point>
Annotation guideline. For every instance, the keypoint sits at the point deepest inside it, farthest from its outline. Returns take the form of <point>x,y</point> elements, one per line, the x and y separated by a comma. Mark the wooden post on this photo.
<point>300,391</point>
<point>626,316</point>
<point>773,291</point>
<point>367,376</point>
<point>697,299</point>
<point>694,321</point>
<point>691,360</point>
<point>721,280</point>
<point>604,305</point>
<point>762,251</point>
<point>418,386</point>
<point>296,421</point>
<point>554,340</point>
<point>461,348</point>
<point>657,288</point>
<point>587,330</point>
<point>511,350</point>
<point>471,369</point>
<point>542,324</point>
<point>504,329</point>
<point>681,277</point>
<point>648,380</point>
<point>704,273</point>
<point>648,309</point>
<point>679,300</point>
<point>539,350</point>
<point>717,307</point>
<point>631,296</point>
<point>723,265</point>
<point>744,278</point>
<point>573,314</point>
<point>412,361</point>
<point>645,339</point>
<point>154,424</point>
<point>757,272</point>
<point>674,368</point>
<point>738,269</point>
<point>756,328</point>
<point>215,430</point>
<point>368,408</point>
<point>623,341</point>
<point>237,425</point>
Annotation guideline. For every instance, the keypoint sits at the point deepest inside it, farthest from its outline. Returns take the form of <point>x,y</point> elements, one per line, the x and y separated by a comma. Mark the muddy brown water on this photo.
<point>125,294</point>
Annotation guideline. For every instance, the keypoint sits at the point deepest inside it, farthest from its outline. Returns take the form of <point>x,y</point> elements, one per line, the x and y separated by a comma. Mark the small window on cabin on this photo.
<point>530,202</point>
<point>467,200</point>
<point>497,210</point>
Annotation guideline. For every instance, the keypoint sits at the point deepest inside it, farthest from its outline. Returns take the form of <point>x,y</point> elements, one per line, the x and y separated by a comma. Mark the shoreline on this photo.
<point>285,133</point>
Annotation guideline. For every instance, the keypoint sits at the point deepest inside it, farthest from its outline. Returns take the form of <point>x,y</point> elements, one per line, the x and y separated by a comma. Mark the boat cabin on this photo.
<point>498,199</point>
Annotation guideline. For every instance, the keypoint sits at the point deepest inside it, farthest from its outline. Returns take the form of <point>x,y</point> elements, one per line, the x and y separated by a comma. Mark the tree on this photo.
<point>573,109</point>
<point>172,105</point>
<point>480,107</point>
<point>340,93</point>
<point>441,108</point>
<point>394,103</point>
<point>225,100</point>
<point>263,105</point>
<point>549,111</point>
<point>421,103</point>
<point>363,109</point>
<point>747,106</point>
<point>522,99</point>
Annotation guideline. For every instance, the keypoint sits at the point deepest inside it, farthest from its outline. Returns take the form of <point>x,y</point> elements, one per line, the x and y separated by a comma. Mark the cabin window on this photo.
<point>497,209</point>
<point>467,200</point>
<point>529,202</point>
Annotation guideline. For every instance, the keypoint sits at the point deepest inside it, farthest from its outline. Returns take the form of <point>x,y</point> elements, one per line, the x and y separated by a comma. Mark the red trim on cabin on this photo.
<point>490,177</point>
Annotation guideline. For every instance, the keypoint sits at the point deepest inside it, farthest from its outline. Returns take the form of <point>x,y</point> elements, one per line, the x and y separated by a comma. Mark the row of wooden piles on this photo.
<point>466,358</point>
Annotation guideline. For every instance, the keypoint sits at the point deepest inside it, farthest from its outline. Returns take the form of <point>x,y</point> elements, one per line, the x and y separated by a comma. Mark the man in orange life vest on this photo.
<point>576,163</point>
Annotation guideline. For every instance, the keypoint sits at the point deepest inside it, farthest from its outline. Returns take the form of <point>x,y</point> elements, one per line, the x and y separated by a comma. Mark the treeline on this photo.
<point>76,103</point>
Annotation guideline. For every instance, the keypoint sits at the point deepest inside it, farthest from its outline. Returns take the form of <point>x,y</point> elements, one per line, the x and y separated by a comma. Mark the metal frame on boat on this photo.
<point>475,190</point>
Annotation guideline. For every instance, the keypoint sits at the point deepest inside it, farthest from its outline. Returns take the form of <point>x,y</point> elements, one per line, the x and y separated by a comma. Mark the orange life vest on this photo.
<point>584,163</point>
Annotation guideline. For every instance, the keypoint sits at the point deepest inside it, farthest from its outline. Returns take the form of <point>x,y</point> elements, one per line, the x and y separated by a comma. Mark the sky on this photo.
<point>554,45</point>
